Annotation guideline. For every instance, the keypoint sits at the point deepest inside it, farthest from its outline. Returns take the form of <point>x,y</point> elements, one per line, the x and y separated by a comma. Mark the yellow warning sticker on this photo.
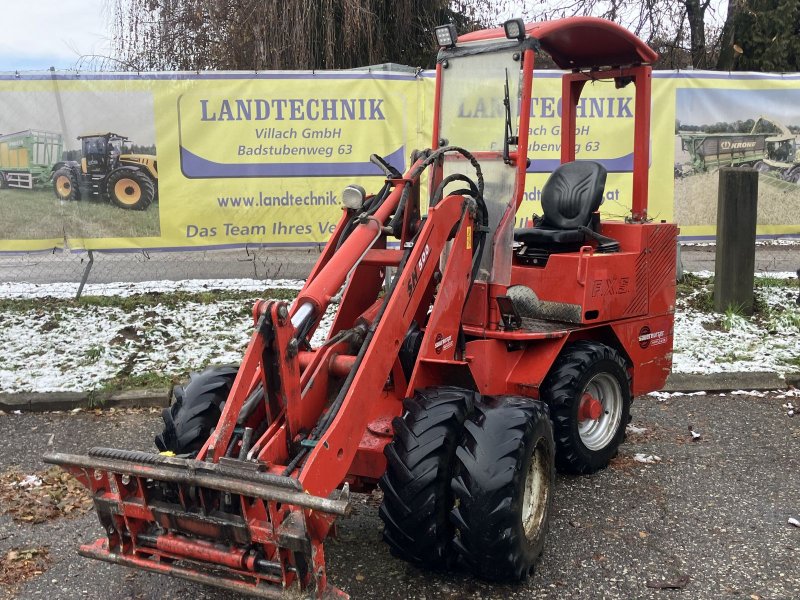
<point>469,237</point>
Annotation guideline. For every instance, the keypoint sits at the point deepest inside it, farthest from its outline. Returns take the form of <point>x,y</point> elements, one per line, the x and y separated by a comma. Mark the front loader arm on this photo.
<point>332,455</point>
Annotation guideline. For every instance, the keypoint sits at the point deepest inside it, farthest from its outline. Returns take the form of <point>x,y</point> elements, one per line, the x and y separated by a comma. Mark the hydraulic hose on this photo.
<point>397,219</point>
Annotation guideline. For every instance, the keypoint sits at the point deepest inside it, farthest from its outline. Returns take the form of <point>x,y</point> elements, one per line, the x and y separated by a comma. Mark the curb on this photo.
<point>725,382</point>
<point>160,397</point>
<point>64,401</point>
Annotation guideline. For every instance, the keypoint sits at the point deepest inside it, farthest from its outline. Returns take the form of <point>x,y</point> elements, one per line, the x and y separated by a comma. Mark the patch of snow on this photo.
<point>702,347</point>
<point>78,348</point>
<point>28,481</point>
<point>647,459</point>
<point>667,395</point>
<point>21,290</point>
<point>633,430</point>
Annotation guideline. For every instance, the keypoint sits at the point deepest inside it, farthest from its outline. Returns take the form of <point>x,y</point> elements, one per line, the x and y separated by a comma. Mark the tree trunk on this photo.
<point>695,14</point>
<point>727,38</point>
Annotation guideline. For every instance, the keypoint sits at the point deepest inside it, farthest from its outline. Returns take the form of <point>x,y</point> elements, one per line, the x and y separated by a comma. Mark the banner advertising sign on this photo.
<point>214,160</point>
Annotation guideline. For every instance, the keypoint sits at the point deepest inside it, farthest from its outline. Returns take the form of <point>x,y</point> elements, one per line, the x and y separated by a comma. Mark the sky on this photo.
<point>39,34</point>
<point>708,106</point>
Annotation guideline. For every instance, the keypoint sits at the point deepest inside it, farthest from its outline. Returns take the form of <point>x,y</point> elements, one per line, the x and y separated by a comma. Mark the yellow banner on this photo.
<point>209,160</point>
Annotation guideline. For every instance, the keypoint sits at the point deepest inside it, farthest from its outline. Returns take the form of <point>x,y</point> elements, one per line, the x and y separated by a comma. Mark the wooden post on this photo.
<point>736,239</point>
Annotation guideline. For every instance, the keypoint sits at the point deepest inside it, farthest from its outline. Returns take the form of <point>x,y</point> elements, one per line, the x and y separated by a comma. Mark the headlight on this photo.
<point>353,197</point>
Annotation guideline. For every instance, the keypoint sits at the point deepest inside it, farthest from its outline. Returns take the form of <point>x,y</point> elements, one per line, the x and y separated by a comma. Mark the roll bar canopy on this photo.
<point>581,42</point>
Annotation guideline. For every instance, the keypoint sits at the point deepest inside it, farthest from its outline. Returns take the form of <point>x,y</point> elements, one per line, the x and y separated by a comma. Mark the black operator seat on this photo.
<point>570,201</point>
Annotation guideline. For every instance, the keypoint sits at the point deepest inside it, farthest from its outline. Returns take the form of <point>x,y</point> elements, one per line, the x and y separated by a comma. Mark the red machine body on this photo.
<point>252,514</point>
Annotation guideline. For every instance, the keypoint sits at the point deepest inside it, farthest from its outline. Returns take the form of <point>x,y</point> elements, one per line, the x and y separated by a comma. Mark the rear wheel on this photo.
<point>130,189</point>
<point>503,483</point>
<point>195,410</point>
<point>589,394</point>
<point>65,184</point>
<point>416,485</point>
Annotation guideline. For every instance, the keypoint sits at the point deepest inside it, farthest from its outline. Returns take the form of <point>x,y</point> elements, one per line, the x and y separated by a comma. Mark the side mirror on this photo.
<point>353,197</point>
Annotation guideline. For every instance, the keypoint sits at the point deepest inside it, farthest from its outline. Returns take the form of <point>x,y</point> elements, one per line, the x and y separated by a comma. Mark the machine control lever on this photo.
<point>384,166</point>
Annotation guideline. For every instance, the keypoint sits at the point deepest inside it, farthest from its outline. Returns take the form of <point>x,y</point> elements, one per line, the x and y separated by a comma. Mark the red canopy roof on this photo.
<point>581,42</point>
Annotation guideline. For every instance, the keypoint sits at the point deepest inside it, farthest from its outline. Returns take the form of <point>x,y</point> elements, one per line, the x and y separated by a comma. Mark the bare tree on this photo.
<point>288,34</point>
<point>685,32</point>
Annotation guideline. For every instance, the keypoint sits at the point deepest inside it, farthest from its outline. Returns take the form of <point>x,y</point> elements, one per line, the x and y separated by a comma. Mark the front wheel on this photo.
<point>130,189</point>
<point>195,411</point>
<point>417,498</point>
<point>503,485</point>
<point>65,185</point>
<point>589,394</point>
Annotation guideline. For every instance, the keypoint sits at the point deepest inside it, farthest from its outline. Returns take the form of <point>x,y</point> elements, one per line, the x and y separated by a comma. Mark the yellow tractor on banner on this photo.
<point>130,181</point>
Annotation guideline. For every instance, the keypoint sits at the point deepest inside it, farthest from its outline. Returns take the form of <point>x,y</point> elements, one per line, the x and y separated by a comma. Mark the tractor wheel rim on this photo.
<point>598,433</point>
<point>63,185</point>
<point>127,191</point>
<point>535,491</point>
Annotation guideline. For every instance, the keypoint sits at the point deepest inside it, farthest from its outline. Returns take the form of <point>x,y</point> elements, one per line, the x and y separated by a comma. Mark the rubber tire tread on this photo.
<point>491,466</point>
<point>145,183</point>
<point>416,485</point>
<point>74,192</point>
<point>562,388</point>
<point>195,410</point>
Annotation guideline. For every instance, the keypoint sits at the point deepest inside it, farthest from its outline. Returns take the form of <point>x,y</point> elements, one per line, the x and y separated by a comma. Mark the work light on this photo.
<point>353,197</point>
<point>515,29</point>
<point>446,35</point>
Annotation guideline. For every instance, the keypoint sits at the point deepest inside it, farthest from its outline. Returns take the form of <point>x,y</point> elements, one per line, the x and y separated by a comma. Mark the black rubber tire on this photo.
<point>563,389</point>
<point>195,410</point>
<point>3,184</point>
<point>146,189</point>
<point>501,441</point>
<point>417,496</point>
<point>69,192</point>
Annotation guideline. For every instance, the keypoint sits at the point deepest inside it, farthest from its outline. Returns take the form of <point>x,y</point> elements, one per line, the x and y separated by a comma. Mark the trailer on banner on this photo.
<point>27,157</point>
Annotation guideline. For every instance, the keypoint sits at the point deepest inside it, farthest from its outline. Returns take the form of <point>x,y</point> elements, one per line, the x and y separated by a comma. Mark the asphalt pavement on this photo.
<point>712,514</point>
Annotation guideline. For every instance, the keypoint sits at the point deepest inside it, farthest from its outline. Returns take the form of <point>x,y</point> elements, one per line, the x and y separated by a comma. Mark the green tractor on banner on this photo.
<point>129,180</point>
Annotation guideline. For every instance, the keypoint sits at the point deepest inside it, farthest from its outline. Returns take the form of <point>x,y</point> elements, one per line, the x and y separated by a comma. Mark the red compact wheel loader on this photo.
<point>465,363</point>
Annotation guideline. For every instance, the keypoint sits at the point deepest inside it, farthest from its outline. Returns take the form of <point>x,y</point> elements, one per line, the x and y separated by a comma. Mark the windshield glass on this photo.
<point>473,88</point>
<point>473,116</point>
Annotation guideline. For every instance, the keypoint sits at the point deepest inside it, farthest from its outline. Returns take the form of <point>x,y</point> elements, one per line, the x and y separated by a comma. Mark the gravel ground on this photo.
<point>715,510</point>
